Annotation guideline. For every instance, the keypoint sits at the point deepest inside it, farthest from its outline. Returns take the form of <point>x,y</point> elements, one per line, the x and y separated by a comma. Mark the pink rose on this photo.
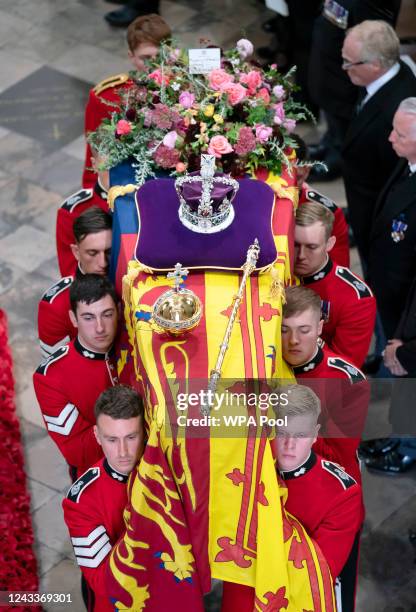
<point>279,91</point>
<point>263,132</point>
<point>235,92</point>
<point>170,139</point>
<point>290,125</point>
<point>123,127</point>
<point>279,115</point>
<point>156,75</point>
<point>252,79</point>
<point>245,48</point>
<point>264,95</point>
<point>186,99</point>
<point>218,146</point>
<point>218,77</point>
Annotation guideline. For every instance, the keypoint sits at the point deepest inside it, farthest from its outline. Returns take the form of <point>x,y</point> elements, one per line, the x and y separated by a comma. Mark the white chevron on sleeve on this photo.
<point>82,561</point>
<point>89,539</point>
<point>91,551</point>
<point>68,416</point>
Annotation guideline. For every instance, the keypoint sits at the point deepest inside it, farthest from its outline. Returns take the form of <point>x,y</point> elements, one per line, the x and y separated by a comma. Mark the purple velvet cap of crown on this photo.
<point>191,192</point>
<point>163,240</point>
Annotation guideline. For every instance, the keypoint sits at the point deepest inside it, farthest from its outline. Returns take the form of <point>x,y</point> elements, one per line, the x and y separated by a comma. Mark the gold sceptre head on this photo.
<point>178,310</point>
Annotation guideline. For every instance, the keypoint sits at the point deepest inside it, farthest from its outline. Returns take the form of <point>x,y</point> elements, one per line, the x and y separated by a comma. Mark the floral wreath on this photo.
<point>241,113</point>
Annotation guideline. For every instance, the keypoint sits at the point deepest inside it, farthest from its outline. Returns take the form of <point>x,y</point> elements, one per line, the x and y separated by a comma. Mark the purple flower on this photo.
<point>279,115</point>
<point>186,99</point>
<point>263,132</point>
<point>289,124</point>
<point>170,139</point>
<point>279,91</point>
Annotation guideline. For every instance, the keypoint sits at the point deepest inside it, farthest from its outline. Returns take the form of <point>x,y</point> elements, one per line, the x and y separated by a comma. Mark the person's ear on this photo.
<point>330,243</point>
<point>97,437</point>
<point>73,318</point>
<point>318,427</point>
<point>75,250</point>
<point>320,326</point>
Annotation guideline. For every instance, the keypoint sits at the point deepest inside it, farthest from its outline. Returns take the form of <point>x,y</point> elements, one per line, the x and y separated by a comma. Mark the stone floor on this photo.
<point>50,51</point>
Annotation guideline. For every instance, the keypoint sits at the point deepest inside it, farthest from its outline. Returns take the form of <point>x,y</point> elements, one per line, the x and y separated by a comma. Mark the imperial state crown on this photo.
<point>206,198</point>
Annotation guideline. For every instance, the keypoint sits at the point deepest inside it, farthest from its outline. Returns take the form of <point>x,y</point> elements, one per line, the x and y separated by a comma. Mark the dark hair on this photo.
<point>120,402</point>
<point>91,221</point>
<point>298,300</point>
<point>90,288</point>
<point>147,29</point>
<point>301,149</point>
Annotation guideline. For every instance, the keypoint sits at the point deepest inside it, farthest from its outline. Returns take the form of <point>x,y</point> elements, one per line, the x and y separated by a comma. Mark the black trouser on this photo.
<point>88,596</point>
<point>348,577</point>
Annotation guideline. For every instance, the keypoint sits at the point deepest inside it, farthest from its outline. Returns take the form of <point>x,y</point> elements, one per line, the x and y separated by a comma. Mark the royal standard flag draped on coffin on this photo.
<point>210,506</point>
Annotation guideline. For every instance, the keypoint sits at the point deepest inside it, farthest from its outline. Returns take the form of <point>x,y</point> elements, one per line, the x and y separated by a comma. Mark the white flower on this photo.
<point>245,48</point>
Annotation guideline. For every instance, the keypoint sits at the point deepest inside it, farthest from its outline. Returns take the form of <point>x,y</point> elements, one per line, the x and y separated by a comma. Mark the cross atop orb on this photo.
<point>178,274</point>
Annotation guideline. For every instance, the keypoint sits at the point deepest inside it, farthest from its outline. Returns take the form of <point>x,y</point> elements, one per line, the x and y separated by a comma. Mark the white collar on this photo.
<point>373,87</point>
<point>412,168</point>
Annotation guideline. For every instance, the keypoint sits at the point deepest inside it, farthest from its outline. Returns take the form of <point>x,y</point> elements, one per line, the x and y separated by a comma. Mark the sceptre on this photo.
<point>215,375</point>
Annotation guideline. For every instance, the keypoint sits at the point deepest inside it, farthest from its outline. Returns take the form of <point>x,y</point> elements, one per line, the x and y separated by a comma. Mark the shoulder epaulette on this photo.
<point>353,373</point>
<point>57,288</point>
<point>362,290</point>
<point>336,470</point>
<point>76,198</point>
<point>82,483</point>
<point>58,354</point>
<point>315,196</point>
<point>113,81</point>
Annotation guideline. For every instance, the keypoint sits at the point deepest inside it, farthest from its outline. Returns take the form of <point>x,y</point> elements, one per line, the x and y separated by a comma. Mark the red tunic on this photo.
<point>341,251</point>
<point>93,512</point>
<point>103,100</point>
<point>69,210</point>
<point>349,310</point>
<point>327,501</point>
<point>67,386</point>
<point>54,325</point>
<point>344,393</point>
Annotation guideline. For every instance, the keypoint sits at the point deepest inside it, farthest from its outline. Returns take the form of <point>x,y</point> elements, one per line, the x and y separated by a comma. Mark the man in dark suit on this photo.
<point>392,256</point>
<point>396,455</point>
<point>371,59</point>
<point>329,85</point>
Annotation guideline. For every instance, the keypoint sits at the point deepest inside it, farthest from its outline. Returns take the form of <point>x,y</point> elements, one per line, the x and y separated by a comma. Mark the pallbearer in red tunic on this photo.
<point>94,506</point>
<point>68,383</point>
<point>341,387</point>
<point>348,304</point>
<point>144,36</point>
<point>320,494</point>
<point>90,255</point>
<point>70,210</point>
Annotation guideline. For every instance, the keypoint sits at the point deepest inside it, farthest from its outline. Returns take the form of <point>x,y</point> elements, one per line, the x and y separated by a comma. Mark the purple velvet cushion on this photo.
<point>163,240</point>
